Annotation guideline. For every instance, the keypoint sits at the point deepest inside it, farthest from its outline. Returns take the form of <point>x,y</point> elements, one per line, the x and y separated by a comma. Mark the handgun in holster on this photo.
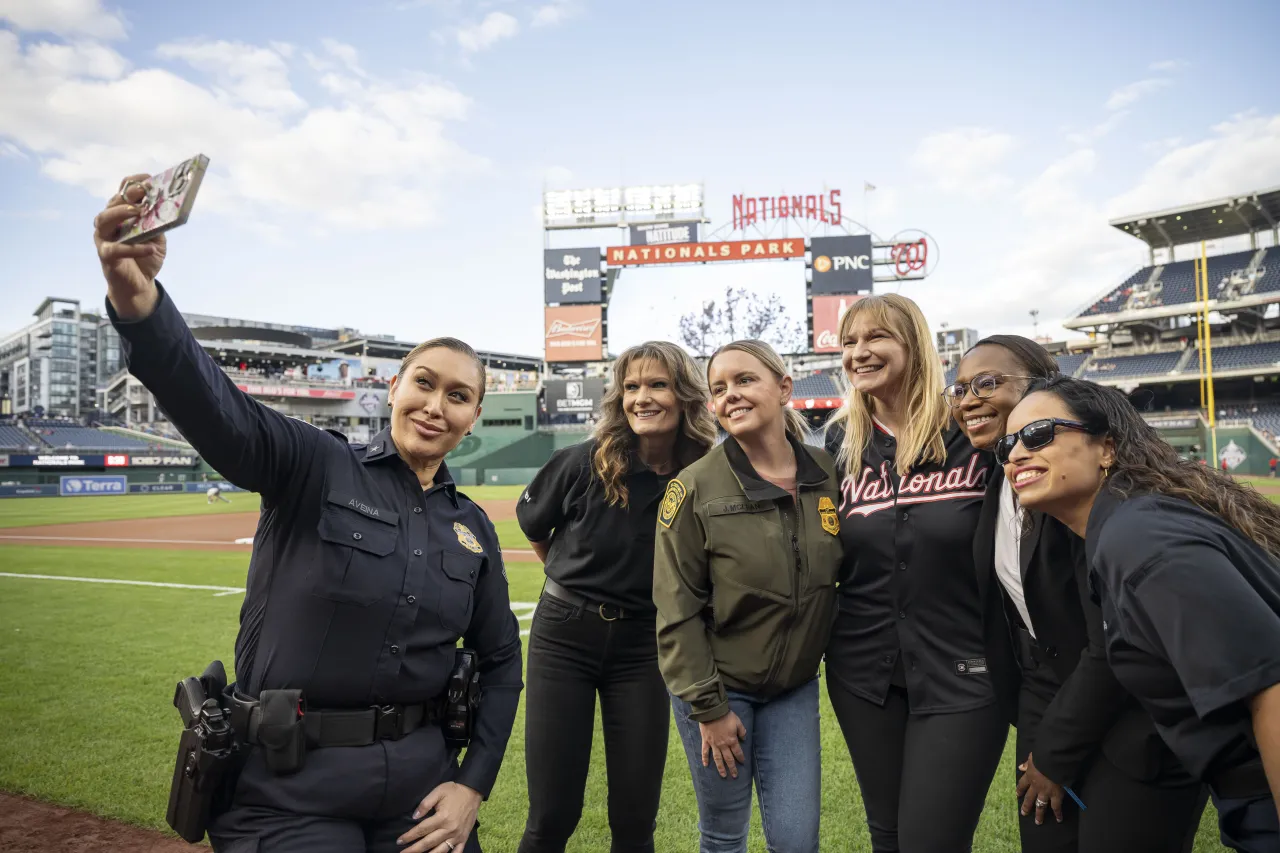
<point>461,700</point>
<point>207,750</point>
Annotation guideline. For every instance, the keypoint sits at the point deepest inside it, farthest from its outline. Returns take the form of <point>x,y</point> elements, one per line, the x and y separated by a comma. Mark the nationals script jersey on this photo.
<point>909,612</point>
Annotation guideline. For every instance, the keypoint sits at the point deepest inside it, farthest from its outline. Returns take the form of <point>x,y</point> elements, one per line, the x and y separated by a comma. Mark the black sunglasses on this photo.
<point>1036,435</point>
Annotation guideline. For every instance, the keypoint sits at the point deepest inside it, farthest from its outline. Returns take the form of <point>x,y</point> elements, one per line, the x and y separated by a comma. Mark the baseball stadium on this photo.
<point>125,553</point>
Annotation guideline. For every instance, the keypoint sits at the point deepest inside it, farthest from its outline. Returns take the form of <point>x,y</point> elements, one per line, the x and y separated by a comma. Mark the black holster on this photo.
<point>203,775</point>
<point>461,700</point>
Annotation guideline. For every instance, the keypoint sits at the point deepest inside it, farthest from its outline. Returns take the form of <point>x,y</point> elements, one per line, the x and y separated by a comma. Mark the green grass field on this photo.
<point>87,673</point>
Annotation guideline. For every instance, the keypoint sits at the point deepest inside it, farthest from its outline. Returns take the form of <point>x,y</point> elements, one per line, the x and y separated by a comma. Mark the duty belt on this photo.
<point>607,612</point>
<point>325,727</point>
<point>1242,782</point>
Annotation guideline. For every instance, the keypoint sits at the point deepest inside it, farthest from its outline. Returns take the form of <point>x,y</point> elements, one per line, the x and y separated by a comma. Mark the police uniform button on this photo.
<point>418,510</point>
<point>888,658</point>
<point>902,567</point>
<point>417,552</point>
<point>904,516</point>
<point>395,650</point>
<point>411,599</point>
<point>356,536</point>
<point>902,614</point>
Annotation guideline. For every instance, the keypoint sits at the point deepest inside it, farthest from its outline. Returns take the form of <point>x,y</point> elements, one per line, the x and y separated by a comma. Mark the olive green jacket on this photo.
<point>744,584</point>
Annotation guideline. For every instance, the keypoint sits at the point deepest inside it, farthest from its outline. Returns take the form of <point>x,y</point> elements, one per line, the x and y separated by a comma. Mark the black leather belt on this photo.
<point>607,612</point>
<point>325,727</point>
<point>1242,782</point>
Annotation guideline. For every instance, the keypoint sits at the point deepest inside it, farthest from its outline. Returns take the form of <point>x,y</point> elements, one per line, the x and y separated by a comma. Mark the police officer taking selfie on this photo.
<point>352,698</point>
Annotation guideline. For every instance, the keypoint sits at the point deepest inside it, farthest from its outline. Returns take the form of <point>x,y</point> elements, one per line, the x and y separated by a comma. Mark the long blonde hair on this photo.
<point>927,414</point>
<point>614,438</point>
<point>794,422</point>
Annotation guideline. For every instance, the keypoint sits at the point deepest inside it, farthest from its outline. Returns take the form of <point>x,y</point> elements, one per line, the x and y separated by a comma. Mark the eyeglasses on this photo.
<point>983,386</point>
<point>1036,435</point>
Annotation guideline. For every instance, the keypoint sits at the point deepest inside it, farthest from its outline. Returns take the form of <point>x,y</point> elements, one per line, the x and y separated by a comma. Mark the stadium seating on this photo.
<point>1069,364</point>
<point>818,385</point>
<point>14,438</point>
<point>1151,364</point>
<point>1177,281</point>
<point>59,435</point>
<point>1240,357</point>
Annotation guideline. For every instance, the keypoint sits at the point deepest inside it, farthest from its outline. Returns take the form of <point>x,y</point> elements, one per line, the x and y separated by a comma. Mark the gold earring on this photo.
<point>1105,472</point>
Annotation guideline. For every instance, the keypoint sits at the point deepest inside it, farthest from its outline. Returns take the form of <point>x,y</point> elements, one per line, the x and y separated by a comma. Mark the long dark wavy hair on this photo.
<point>1147,464</point>
<point>614,439</point>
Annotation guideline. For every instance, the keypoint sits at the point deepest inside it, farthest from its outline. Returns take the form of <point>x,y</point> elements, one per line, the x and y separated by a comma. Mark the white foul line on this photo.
<point>221,590</point>
<point>56,538</point>
<point>522,609</point>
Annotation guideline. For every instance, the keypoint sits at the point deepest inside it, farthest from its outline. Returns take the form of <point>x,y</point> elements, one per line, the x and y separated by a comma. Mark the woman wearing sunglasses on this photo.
<point>1077,726</point>
<point>906,668</point>
<point>1183,562</point>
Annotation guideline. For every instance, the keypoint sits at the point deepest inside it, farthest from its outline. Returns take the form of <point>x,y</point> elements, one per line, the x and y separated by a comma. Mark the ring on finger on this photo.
<point>450,844</point>
<point>1040,804</point>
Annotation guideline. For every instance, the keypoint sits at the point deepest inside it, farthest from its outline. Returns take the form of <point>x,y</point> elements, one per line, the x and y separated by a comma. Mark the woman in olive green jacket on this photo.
<point>745,586</point>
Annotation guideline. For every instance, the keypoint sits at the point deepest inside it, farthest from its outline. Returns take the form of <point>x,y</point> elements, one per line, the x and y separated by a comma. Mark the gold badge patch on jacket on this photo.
<point>830,521</point>
<point>671,502</point>
<point>468,539</point>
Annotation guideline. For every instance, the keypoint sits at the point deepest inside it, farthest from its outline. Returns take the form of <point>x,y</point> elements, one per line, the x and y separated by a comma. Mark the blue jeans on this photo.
<point>782,748</point>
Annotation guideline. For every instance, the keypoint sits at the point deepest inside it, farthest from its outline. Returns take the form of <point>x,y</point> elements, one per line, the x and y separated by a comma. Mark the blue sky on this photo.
<point>379,164</point>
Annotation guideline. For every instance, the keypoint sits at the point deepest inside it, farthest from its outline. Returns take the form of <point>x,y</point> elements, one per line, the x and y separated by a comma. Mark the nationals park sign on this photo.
<point>693,253</point>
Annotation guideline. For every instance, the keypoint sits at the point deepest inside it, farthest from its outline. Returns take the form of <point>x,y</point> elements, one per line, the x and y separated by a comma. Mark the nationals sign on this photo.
<point>750,210</point>
<point>827,311</point>
<point>698,253</point>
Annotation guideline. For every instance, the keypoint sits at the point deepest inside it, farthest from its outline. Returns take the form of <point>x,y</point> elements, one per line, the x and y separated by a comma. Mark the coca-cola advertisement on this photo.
<point>827,311</point>
<point>575,333</point>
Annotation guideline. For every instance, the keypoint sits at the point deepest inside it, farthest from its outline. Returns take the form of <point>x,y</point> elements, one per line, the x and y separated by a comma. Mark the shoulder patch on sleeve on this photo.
<point>671,501</point>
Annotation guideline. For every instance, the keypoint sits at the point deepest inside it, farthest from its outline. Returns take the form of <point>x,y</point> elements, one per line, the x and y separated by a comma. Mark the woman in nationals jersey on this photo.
<point>906,668</point>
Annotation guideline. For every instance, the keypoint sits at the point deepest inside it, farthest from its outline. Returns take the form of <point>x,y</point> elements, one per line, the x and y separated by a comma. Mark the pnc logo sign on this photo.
<point>842,265</point>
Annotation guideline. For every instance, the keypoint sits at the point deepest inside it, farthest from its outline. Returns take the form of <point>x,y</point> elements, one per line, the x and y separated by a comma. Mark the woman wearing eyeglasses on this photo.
<point>906,665</point>
<point>1077,726</point>
<point>1184,564</point>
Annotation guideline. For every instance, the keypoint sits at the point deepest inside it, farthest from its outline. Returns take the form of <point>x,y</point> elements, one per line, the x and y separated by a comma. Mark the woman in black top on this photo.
<point>591,513</point>
<point>1076,725</point>
<point>1184,564</point>
<point>906,666</point>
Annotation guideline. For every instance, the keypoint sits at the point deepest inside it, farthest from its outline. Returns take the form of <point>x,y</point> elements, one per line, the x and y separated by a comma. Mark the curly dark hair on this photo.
<point>1147,464</point>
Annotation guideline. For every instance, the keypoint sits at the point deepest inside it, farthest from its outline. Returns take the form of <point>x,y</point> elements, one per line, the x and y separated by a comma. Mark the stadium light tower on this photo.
<point>1035,323</point>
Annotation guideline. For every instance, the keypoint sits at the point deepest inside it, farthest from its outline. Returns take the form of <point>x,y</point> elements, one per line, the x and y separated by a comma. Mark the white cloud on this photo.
<point>1128,95</point>
<point>373,156</point>
<point>1098,131</point>
<point>1166,65</point>
<point>1242,154</point>
<point>70,18</point>
<point>1067,255</point>
<point>550,14</point>
<point>965,160</point>
<point>495,27</point>
<point>245,74</point>
<point>557,175</point>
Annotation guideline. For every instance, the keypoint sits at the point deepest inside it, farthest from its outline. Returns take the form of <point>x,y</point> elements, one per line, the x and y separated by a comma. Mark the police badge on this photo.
<point>466,538</point>
<point>830,520</point>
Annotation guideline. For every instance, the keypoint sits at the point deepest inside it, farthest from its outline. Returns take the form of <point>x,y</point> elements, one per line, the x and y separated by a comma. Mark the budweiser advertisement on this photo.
<point>827,311</point>
<point>700,253</point>
<point>575,333</point>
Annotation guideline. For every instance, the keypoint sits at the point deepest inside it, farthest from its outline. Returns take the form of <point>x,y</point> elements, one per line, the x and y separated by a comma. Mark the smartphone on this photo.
<point>168,202</point>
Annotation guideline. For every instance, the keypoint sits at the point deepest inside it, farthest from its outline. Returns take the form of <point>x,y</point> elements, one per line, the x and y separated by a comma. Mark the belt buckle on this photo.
<point>387,726</point>
<point>601,608</point>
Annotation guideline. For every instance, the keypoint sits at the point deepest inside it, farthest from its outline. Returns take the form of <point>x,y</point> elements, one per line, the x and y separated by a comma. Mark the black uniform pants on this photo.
<point>1249,826</point>
<point>924,777</point>
<point>573,655</point>
<point>343,800</point>
<point>1122,814</point>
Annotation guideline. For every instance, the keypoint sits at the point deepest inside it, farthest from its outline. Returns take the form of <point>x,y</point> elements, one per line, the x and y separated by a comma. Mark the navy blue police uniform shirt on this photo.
<point>1191,617</point>
<point>909,609</point>
<point>601,551</point>
<point>360,583</point>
